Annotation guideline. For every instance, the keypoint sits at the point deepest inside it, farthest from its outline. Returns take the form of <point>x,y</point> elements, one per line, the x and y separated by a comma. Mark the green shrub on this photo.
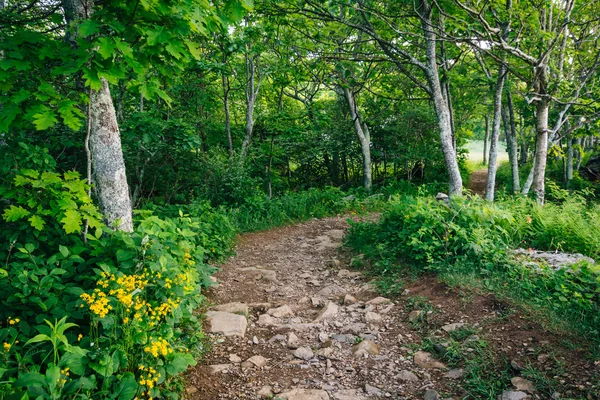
<point>472,237</point>
<point>110,315</point>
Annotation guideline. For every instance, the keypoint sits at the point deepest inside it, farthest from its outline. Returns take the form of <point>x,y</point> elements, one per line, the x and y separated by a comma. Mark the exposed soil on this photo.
<point>478,182</point>
<point>311,270</point>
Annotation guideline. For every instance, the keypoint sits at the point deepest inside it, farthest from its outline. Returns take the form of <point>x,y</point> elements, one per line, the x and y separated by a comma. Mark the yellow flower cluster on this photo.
<point>98,302</point>
<point>150,379</point>
<point>64,373</point>
<point>158,347</point>
<point>187,259</point>
<point>7,346</point>
<point>186,282</point>
<point>12,321</point>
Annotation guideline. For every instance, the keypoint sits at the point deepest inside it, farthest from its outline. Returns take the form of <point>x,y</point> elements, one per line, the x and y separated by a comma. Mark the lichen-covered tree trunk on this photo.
<point>510,129</point>
<point>107,161</point>
<point>570,156</point>
<point>364,138</point>
<point>253,82</point>
<point>104,137</point>
<point>485,139</point>
<point>541,150</point>
<point>439,103</point>
<point>492,163</point>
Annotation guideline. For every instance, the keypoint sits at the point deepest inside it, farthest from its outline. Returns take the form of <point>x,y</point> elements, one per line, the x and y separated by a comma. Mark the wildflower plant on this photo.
<point>86,316</point>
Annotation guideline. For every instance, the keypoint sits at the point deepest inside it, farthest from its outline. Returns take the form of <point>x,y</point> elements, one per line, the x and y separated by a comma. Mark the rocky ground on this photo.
<point>292,321</point>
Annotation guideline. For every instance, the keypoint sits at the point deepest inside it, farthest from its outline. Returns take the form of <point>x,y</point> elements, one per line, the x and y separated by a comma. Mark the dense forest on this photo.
<point>139,138</point>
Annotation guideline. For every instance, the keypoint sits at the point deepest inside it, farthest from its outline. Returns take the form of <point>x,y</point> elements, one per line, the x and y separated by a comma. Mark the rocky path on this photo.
<point>292,321</point>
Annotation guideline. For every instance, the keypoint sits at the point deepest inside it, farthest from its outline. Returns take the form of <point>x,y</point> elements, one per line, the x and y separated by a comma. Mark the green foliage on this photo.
<point>129,298</point>
<point>471,237</point>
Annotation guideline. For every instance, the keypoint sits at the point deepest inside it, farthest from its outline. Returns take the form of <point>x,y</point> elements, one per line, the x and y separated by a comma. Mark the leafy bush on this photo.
<point>110,317</point>
<point>472,237</point>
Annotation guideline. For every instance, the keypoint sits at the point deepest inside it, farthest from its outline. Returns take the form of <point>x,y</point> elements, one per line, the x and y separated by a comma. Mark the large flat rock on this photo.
<point>227,323</point>
<point>305,394</point>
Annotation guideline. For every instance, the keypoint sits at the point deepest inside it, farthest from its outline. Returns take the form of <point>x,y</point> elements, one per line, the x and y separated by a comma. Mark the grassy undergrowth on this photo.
<point>469,243</point>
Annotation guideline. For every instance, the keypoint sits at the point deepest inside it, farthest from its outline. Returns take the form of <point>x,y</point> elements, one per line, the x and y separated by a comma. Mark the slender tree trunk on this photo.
<point>252,88</point>
<point>511,136</point>
<point>578,141</point>
<point>541,150</point>
<point>364,138</point>
<point>105,139</point>
<point>569,172</point>
<point>485,139</point>
<point>529,180</point>
<point>440,105</point>
<point>225,83</point>
<point>492,166</point>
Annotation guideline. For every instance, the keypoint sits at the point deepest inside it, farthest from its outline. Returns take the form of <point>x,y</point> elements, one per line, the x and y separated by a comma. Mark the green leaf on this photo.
<point>64,251</point>
<point>71,115</point>
<point>71,221</point>
<point>89,28</point>
<point>106,47</point>
<point>31,379</point>
<point>14,213</point>
<point>52,377</point>
<point>157,36</point>
<point>194,49</point>
<point>37,222</point>
<point>104,366</point>
<point>38,338</point>
<point>127,388</point>
<point>44,119</point>
<point>179,363</point>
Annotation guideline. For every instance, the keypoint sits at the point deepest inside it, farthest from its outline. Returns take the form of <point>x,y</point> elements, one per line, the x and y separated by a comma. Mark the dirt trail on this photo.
<point>317,331</point>
<point>478,182</point>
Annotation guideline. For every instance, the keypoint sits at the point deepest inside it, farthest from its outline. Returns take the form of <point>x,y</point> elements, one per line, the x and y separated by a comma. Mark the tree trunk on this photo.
<point>511,136</point>
<point>364,138</point>
<point>569,173</point>
<point>578,141</point>
<point>252,88</point>
<point>105,140</point>
<point>225,83</point>
<point>440,105</point>
<point>492,166</point>
<point>107,161</point>
<point>529,180</point>
<point>485,139</point>
<point>541,150</point>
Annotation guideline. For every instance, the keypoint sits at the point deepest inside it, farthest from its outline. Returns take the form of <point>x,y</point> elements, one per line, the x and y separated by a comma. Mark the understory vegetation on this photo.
<point>472,243</point>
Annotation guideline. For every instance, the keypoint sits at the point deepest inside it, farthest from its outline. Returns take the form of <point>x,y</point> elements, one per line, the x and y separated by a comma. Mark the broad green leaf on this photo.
<point>37,222</point>
<point>89,28</point>
<point>14,213</point>
<point>31,379</point>
<point>71,221</point>
<point>179,363</point>
<point>38,338</point>
<point>127,388</point>
<point>194,49</point>
<point>44,119</point>
<point>52,377</point>
<point>105,47</point>
<point>64,251</point>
